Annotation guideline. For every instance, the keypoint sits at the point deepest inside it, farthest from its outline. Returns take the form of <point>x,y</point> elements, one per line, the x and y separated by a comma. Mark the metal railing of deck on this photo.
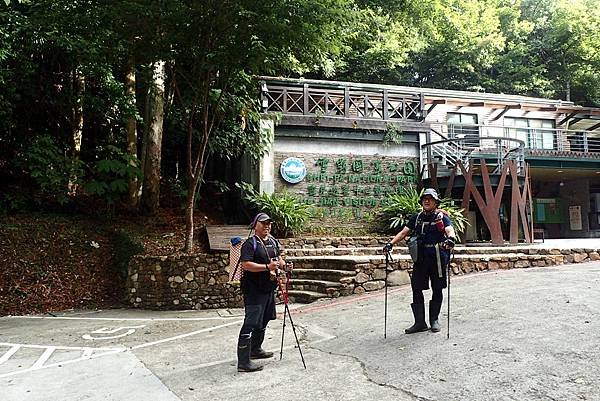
<point>538,141</point>
<point>448,152</point>
<point>341,100</point>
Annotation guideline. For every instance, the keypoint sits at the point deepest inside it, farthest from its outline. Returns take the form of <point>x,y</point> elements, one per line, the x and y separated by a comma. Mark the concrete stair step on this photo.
<point>322,286</point>
<point>332,266</point>
<point>330,275</point>
<point>335,242</point>
<point>487,256</point>
<point>302,296</point>
<point>339,262</point>
<point>342,263</point>
<point>402,251</point>
<point>343,251</point>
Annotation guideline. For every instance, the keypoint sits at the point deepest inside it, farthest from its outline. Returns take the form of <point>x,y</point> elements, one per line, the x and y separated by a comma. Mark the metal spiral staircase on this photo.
<point>448,153</point>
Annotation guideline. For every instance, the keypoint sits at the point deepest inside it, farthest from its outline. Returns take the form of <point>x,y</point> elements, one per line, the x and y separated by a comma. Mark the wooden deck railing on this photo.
<point>341,100</point>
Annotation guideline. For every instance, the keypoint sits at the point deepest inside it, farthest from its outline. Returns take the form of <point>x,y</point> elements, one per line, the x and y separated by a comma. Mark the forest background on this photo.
<point>117,116</point>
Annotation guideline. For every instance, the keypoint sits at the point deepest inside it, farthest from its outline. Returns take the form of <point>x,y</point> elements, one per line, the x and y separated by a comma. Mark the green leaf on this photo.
<point>289,214</point>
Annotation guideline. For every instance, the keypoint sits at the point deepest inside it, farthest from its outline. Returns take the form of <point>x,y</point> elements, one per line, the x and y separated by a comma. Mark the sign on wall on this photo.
<point>575,218</point>
<point>348,186</point>
<point>547,210</point>
<point>292,170</point>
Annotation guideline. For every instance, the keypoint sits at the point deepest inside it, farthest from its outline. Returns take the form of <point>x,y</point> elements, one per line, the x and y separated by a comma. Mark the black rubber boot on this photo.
<point>258,336</point>
<point>434,312</point>
<point>243,354</point>
<point>419,314</point>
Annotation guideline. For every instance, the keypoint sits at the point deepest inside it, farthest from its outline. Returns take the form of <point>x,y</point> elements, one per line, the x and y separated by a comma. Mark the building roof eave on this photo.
<point>430,94</point>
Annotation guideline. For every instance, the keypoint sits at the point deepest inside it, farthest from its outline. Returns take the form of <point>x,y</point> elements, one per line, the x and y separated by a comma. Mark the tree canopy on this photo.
<point>542,48</point>
<point>84,82</point>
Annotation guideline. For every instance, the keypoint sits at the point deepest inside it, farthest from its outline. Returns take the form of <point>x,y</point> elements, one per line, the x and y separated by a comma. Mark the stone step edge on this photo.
<point>367,258</point>
<point>457,250</point>
<point>461,248</point>
<point>356,249</point>
<point>397,249</point>
<point>311,281</point>
<point>312,294</point>
<point>342,272</point>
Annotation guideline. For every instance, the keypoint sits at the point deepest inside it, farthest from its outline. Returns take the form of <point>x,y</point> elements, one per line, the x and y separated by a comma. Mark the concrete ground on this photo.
<point>524,334</point>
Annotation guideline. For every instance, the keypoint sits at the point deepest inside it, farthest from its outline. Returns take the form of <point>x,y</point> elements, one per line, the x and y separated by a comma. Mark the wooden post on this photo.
<point>386,113</point>
<point>305,105</point>
<point>490,206</point>
<point>346,102</point>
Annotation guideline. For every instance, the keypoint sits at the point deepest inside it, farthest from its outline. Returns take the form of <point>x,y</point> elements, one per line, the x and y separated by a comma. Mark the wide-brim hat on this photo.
<point>430,192</point>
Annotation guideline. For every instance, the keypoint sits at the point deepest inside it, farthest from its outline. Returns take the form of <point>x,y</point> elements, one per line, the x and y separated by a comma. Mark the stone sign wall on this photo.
<point>348,187</point>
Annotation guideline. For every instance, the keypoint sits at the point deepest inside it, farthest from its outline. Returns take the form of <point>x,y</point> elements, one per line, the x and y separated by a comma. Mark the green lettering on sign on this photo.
<point>357,166</point>
<point>341,166</point>
<point>322,163</point>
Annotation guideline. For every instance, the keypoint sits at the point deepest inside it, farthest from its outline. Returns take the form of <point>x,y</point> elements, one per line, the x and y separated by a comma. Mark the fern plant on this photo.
<point>289,214</point>
<point>50,168</point>
<point>397,208</point>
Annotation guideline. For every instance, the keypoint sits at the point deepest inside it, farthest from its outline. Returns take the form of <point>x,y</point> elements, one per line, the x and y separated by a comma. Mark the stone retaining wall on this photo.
<point>200,281</point>
<point>534,258</point>
<point>181,282</point>
<point>371,276</point>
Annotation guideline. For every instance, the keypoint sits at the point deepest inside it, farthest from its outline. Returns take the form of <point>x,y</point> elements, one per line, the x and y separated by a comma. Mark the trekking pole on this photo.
<point>388,257</point>
<point>288,278</point>
<point>449,272</point>
<point>295,335</point>
<point>284,294</point>
<point>282,335</point>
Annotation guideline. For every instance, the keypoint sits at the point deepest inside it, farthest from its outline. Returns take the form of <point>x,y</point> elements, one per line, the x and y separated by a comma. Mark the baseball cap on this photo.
<point>261,217</point>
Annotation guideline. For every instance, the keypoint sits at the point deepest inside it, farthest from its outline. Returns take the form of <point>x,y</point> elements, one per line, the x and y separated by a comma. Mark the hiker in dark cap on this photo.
<point>260,259</point>
<point>435,237</point>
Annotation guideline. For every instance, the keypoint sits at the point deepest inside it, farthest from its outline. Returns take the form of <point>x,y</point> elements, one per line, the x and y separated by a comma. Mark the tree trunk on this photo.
<point>189,221</point>
<point>131,127</point>
<point>76,126</point>
<point>195,172</point>
<point>147,113</point>
<point>151,189</point>
<point>196,163</point>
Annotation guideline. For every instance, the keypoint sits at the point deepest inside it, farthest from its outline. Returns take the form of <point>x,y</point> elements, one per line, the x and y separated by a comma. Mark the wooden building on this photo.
<point>518,165</point>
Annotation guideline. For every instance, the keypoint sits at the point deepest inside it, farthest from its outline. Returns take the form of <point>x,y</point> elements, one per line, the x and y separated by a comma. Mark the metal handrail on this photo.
<point>500,148</point>
<point>537,140</point>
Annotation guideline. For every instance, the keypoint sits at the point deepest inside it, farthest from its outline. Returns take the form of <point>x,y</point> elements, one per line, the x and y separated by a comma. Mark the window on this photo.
<point>537,134</point>
<point>463,126</point>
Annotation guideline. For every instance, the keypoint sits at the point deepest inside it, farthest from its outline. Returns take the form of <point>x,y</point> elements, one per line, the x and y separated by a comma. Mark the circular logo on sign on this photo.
<point>293,170</point>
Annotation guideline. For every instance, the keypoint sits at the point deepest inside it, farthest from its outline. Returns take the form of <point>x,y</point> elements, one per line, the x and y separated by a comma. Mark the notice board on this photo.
<point>547,210</point>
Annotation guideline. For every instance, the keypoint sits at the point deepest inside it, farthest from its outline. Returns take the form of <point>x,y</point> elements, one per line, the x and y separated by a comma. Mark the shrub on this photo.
<point>459,221</point>
<point>125,247</point>
<point>398,208</point>
<point>15,200</point>
<point>111,174</point>
<point>51,169</point>
<point>288,213</point>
